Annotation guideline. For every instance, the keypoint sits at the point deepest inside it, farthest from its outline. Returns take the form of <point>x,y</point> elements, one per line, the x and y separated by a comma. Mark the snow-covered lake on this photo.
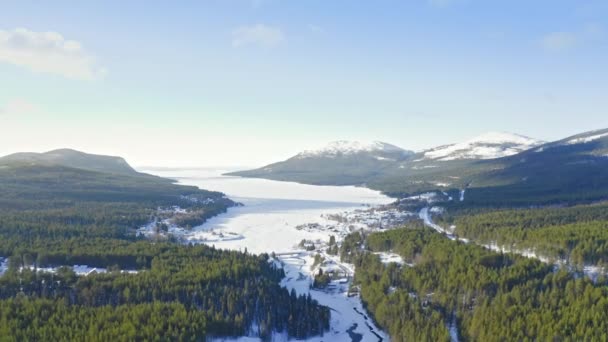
<point>267,223</point>
<point>272,210</point>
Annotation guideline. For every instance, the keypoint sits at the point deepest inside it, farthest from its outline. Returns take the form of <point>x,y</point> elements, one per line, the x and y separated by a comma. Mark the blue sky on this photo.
<point>245,82</point>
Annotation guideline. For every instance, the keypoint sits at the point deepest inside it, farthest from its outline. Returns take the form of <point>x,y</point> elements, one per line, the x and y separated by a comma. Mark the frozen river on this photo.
<point>267,223</point>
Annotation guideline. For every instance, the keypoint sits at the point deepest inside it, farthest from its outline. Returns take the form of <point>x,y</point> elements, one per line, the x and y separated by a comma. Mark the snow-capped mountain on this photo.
<point>340,162</point>
<point>521,169</point>
<point>486,146</point>
<point>346,148</point>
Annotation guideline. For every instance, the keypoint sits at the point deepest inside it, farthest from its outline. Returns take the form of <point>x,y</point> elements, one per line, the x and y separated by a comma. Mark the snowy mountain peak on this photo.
<point>486,146</point>
<point>504,138</point>
<point>587,137</point>
<point>345,147</point>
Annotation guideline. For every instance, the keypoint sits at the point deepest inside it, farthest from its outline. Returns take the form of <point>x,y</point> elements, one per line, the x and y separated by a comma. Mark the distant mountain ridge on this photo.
<point>355,163</point>
<point>338,163</point>
<point>345,147</point>
<point>494,167</point>
<point>73,159</point>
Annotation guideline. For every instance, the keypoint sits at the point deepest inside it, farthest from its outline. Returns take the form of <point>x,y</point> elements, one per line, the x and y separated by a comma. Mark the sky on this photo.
<point>248,82</point>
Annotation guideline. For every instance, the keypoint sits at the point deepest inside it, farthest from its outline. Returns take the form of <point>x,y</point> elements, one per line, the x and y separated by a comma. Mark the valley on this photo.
<point>353,263</point>
<point>314,171</point>
<point>271,221</point>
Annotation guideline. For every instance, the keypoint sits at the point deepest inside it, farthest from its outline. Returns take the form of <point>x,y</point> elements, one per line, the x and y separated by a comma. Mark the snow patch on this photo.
<point>384,159</point>
<point>428,197</point>
<point>437,210</point>
<point>387,258</point>
<point>584,140</point>
<point>344,147</point>
<point>453,328</point>
<point>487,146</point>
<point>3,265</point>
<point>81,270</point>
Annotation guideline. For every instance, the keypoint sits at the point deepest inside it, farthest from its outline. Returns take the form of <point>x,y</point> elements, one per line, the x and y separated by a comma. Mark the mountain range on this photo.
<point>357,163</point>
<point>493,166</point>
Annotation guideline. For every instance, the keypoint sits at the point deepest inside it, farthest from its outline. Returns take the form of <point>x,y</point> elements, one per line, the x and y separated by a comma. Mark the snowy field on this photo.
<point>269,221</point>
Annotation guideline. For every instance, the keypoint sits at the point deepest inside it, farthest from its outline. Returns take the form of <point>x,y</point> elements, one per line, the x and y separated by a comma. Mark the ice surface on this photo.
<point>81,270</point>
<point>272,210</point>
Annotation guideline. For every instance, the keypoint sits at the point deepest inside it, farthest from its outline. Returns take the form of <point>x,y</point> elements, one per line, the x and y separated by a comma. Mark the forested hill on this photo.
<point>72,158</point>
<point>338,163</point>
<point>57,216</point>
<point>447,290</point>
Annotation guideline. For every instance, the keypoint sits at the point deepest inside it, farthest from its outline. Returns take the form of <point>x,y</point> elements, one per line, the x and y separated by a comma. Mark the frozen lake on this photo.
<point>272,210</point>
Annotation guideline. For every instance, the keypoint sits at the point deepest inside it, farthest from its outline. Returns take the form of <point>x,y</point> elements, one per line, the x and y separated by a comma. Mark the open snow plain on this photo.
<point>268,222</point>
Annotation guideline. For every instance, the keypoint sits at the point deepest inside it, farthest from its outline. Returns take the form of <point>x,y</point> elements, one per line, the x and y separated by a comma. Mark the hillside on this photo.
<point>565,171</point>
<point>571,169</point>
<point>491,145</point>
<point>391,169</point>
<point>72,158</point>
<point>338,163</point>
<point>56,219</point>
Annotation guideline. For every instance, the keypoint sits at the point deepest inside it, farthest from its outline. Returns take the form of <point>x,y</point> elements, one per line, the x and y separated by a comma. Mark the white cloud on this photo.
<point>48,52</point>
<point>16,107</point>
<point>316,28</point>
<point>559,41</point>
<point>259,34</point>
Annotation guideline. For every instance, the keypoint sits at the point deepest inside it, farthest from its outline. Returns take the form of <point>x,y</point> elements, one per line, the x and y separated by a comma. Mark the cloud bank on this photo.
<point>48,52</point>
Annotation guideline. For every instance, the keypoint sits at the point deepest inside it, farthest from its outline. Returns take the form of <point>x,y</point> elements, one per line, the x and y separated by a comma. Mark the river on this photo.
<point>268,222</point>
